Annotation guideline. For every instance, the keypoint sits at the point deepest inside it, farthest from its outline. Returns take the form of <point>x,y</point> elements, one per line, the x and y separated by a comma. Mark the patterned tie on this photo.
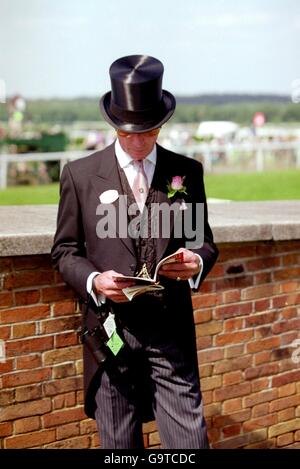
<point>140,184</point>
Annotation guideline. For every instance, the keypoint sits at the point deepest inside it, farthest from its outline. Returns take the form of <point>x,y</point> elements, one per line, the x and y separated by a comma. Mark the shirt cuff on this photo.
<point>194,284</point>
<point>98,299</point>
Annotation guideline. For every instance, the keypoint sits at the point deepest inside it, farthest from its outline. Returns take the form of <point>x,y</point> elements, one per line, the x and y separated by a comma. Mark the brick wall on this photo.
<point>247,320</point>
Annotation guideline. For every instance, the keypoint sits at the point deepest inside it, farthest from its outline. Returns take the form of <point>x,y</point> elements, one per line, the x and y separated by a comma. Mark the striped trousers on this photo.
<point>154,368</point>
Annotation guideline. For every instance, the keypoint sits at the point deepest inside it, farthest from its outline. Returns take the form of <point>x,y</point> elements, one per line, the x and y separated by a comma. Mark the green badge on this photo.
<point>115,343</point>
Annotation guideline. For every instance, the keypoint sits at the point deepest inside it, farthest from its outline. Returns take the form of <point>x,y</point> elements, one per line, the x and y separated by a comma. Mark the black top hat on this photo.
<point>137,102</point>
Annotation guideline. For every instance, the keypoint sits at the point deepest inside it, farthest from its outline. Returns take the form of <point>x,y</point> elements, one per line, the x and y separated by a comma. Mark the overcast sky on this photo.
<point>62,48</point>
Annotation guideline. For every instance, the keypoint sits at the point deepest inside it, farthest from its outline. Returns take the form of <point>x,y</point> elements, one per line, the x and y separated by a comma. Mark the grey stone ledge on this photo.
<point>29,229</point>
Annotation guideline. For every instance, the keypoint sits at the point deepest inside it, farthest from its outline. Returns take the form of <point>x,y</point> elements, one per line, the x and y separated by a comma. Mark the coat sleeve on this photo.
<point>208,251</point>
<point>68,251</point>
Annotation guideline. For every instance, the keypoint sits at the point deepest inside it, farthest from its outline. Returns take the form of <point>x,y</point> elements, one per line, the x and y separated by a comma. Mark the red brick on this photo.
<point>27,278</point>
<point>201,316</point>
<point>232,405</point>
<point>286,414</point>
<point>67,431</point>
<point>238,363</point>
<point>284,326</point>
<point>228,311</point>
<point>260,422</point>
<point>229,392</point>
<point>29,361</point>
<point>231,378</point>
<point>66,339</point>
<point>260,291</point>
<point>230,252</point>
<point>234,417</point>
<point>263,396</point>
<point>24,314</point>
<point>32,262</point>
<point>286,300</point>
<point>234,337</point>
<point>26,377</point>
<point>263,263</point>
<point>7,397</point>
<point>27,409</point>
<point>207,356</point>
<point>289,312</point>
<point>231,283</point>
<point>205,300</point>
<point>263,370</point>
<point>259,319</point>
<point>28,393</point>
<point>23,329</point>
<point>63,416</point>
<point>57,325</point>
<point>234,350</point>
<point>78,442</point>
<point>64,308</point>
<point>204,342</point>
<point>56,293</point>
<point>289,286</point>
<point>260,410</point>
<point>288,337</point>
<point>52,357</point>
<point>264,331</point>
<point>286,378</point>
<point>263,344</point>
<point>28,424</point>
<point>231,296</point>
<point>89,426</point>
<point>286,274</point>
<point>30,440</point>
<point>59,386</point>
<point>205,370</point>
<point>6,367</point>
<point>212,409</point>
<point>261,305</point>
<point>34,344</point>
<point>284,403</point>
<point>27,297</point>
<point>64,370</point>
<point>232,430</point>
<point>287,390</point>
<point>233,324</point>
<point>290,259</point>
<point>284,440</point>
<point>6,429</point>
<point>260,384</point>
<point>262,278</point>
<point>209,328</point>
<point>262,357</point>
<point>64,400</point>
<point>5,332</point>
<point>5,264</point>
<point>6,299</point>
<point>213,434</point>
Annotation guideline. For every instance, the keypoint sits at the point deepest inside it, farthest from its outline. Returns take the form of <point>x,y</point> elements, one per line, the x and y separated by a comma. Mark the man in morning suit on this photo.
<point>140,357</point>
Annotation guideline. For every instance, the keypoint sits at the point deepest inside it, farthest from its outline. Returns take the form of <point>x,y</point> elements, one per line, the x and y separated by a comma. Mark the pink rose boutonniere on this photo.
<point>176,185</point>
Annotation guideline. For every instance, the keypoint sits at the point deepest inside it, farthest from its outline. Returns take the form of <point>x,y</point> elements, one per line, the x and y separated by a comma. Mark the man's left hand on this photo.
<point>182,270</point>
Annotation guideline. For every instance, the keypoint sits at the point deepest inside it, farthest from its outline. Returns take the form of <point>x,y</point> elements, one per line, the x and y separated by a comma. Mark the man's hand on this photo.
<point>112,289</point>
<point>182,270</point>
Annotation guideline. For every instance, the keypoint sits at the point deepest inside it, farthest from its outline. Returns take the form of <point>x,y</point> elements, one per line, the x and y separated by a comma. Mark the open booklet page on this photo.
<point>143,282</point>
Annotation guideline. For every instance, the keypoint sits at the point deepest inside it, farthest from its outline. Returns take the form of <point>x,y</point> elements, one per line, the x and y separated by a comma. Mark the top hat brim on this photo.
<point>138,122</point>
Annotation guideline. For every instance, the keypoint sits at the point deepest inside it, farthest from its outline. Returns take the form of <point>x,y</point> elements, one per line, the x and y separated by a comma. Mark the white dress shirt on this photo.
<point>125,160</point>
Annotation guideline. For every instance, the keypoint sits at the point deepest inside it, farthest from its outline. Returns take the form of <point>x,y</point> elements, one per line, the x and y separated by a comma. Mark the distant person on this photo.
<point>140,356</point>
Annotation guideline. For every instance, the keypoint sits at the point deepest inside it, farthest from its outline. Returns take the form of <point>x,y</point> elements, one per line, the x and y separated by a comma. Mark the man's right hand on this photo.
<point>105,284</point>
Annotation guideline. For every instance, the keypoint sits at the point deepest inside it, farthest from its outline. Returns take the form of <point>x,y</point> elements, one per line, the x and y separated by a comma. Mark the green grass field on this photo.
<point>280,185</point>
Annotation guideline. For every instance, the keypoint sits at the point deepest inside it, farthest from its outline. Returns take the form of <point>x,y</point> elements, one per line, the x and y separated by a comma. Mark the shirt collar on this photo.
<point>124,159</point>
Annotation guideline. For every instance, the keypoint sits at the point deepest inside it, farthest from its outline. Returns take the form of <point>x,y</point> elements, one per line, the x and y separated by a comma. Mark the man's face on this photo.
<point>138,146</point>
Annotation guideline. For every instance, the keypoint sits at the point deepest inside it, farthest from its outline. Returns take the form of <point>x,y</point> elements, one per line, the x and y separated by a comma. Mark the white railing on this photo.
<point>205,151</point>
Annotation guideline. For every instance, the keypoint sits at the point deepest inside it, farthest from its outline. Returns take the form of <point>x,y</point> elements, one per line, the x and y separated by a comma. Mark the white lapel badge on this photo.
<point>108,197</point>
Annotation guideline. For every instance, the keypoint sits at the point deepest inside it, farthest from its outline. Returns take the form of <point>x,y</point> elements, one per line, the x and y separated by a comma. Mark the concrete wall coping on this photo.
<point>29,229</point>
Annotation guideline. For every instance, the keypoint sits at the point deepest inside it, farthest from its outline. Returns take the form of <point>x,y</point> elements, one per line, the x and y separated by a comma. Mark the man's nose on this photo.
<point>137,139</point>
